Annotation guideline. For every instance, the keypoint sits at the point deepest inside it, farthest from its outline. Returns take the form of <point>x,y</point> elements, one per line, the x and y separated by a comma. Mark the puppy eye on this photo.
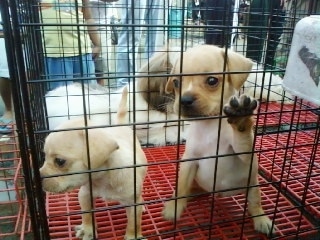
<point>176,83</point>
<point>60,162</point>
<point>212,81</point>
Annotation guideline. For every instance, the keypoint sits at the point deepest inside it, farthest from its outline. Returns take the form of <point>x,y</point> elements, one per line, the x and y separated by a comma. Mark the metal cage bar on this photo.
<point>286,128</point>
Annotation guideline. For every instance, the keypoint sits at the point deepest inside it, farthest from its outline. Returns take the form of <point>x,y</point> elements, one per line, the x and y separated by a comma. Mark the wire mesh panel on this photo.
<point>162,119</point>
<point>14,218</point>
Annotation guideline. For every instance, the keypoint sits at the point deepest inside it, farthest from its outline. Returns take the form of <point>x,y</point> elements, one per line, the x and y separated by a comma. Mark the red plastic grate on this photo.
<point>14,219</point>
<point>274,114</point>
<point>227,223</point>
<point>292,166</point>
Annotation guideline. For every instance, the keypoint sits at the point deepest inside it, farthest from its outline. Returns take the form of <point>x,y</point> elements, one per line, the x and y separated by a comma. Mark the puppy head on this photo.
<point>201,81</point>
<point>66,152</point>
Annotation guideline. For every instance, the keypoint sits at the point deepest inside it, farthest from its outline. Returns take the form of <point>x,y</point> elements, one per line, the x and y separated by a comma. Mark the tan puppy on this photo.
<point>261,85</point>
<point>215,141</point>
<point>109,148</point>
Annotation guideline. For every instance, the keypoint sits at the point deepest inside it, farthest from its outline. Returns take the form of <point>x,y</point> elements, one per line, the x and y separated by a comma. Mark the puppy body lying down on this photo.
<point>109,148</point>
<point>151,124</point>
<point>223,143</point>
<point>265,86</point>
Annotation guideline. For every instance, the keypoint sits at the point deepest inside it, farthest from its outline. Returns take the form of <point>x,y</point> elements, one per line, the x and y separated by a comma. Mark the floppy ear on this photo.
<point>100,147</point>
<point>169,86</point>
<point>152,89</point>
<point>238,63</point>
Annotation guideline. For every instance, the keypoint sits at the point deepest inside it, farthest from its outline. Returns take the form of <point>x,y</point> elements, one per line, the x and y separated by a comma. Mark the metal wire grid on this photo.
<point>287,139</point>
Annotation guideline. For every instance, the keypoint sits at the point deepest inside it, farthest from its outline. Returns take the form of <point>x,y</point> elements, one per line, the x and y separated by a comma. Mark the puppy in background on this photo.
<point>204,91</point>
<point>265,86</point>
<point>66,151</point>
<point>156,123</point>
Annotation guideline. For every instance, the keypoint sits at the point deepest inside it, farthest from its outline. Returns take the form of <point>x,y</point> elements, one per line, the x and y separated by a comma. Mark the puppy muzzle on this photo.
<point>190,106</point>
<point>187,100</point>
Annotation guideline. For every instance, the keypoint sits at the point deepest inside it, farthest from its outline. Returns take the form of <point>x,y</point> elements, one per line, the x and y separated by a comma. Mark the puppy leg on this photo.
<point>261,222</point>
<point>85,230</point>
<point>134,215</point>
<point>239,113</point>
<point>187,174</point>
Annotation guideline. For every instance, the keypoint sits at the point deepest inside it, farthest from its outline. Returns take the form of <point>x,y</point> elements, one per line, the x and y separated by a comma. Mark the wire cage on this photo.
<point>73,103</point>
<point>14,218</point>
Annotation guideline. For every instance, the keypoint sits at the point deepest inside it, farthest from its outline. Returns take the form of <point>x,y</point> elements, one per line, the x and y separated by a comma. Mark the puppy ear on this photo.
<point>169,86</point>
<point>152,89</point>
<point>101,145</point>
<point>238,63</point>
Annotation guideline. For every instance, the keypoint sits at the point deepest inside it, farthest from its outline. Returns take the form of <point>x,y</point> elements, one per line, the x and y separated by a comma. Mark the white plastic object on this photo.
<point>302,76</point>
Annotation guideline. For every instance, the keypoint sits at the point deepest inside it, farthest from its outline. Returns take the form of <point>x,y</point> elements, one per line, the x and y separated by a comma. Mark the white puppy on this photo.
<point>265,86</point>
<point>151,125</point>
<point>111,154</point>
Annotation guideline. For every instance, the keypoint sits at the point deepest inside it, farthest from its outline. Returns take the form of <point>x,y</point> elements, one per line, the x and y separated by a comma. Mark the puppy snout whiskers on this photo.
<point>187,100</point>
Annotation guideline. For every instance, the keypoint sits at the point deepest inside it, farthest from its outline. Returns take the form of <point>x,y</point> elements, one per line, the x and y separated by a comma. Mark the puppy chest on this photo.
<point>230,175</point>
<point>209,136</point>
<point>208,146</point>
<point>108,193</point>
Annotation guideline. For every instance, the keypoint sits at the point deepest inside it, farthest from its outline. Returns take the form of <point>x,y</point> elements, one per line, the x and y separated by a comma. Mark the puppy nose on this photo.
<point>187,100</point>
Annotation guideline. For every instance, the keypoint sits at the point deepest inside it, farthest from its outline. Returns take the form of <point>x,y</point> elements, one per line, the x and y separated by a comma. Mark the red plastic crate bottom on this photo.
<point>228,218</point>
<point>275,114</point>
<point>293,160</point>
<point>14,216</point>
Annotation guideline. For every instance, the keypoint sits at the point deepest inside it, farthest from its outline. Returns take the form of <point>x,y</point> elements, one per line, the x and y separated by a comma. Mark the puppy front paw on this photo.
<point>264,225</point>
<point>84,232</point>
<point>170,212</point>
<point>239,107</point>
<point>239,111</point>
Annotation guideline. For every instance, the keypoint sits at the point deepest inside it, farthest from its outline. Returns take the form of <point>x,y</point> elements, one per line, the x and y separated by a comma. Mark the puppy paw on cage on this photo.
<point>238,109</point>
